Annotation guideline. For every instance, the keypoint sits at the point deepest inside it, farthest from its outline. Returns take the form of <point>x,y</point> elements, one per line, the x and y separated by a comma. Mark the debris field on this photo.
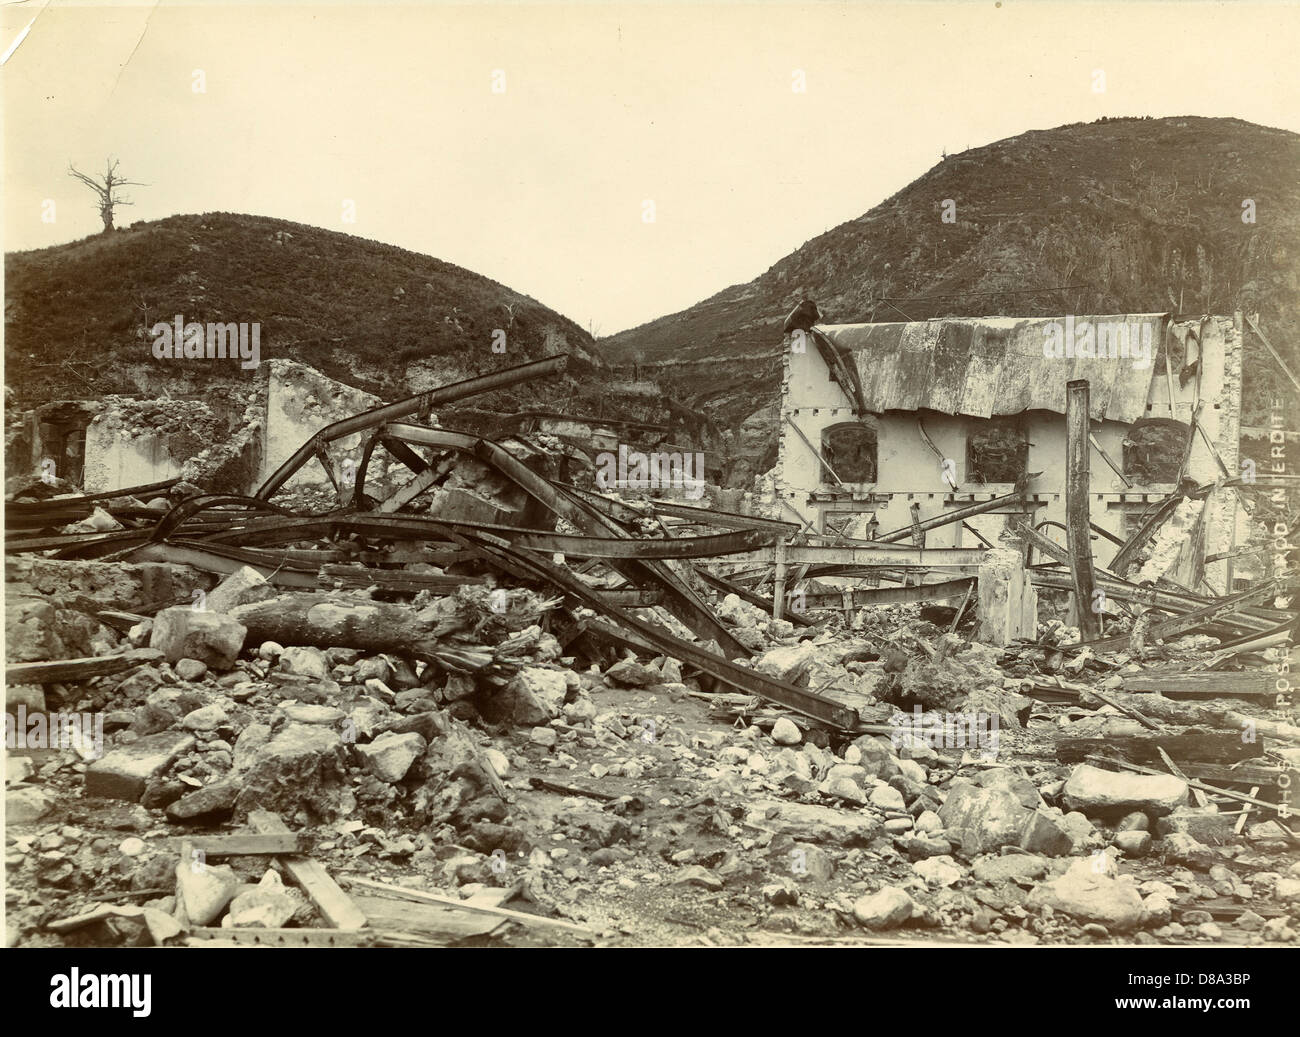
<point>492,707</point>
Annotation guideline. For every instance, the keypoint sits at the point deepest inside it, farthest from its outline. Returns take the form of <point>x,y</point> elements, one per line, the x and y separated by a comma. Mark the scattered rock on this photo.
<point>211,803</point>
<point>301,768</point>
<point>390,755</point>
<point>242,587</point>
<point>23,806</point>
<point>1134,822</point>
<point>311,713</point>
<point>206,718</point>
<point>1134,842</point>
<point>788,663</point>
<point>534,695</point>
<point>204,889</point>
<point>1181,848</point>
<point>1046,833</point>
<point>938,871</point>
<point>124,772</point>
<point>885,909</point>
<point>1014,867</point>
<point>886,797</point>
<point>190,669</point>
<point>546,737</point>
<point>269,906</point>
<point>696,875</point>
<point>808,861</point>
<point>843,788</point>
<point>630,673</point>
<point>786,732</point>
<point>304,661</point>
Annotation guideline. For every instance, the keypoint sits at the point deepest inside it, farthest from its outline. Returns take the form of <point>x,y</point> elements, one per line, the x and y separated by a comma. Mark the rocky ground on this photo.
<point>625,800</point>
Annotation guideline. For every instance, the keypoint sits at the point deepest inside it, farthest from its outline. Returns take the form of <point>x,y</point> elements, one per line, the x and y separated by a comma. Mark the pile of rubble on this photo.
<point>382,724</point>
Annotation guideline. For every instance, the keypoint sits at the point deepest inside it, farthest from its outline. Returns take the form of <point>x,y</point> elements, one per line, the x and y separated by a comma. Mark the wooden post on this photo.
<point>1077,487</point>
<point>1007,605</point>
<point>778,590</point>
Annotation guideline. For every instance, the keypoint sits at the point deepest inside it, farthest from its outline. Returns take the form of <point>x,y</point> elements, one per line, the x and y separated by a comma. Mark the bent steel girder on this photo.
<point>425,527</point>
<point>682,600</point>
<point>750,681</point>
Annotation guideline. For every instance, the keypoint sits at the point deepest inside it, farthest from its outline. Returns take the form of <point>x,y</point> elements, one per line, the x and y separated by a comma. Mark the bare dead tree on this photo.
<point>108,190</point>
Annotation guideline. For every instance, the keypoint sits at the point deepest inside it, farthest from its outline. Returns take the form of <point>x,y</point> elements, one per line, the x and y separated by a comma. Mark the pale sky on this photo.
<point>542,187</point>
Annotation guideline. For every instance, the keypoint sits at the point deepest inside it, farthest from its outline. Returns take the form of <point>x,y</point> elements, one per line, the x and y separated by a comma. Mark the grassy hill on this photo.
<point>1143,215</point>
<point>392,322</point>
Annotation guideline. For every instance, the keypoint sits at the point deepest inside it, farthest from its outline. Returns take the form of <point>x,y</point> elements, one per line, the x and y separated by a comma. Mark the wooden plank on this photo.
<point>1245,774</point>
<point>59,671</point>
<point>945,591</point>
<point>1128,711</point>
<point>240,844</point>
<point>464,905</point>
<point>933,557</point>
<point>334,905</point>
<point>392,579</point>
<point>1113,466</point>
<point>1240,826</point>
<point>259,937</point>
<point>406,922</point>
<point>1205,685</point>
<point>1077,524</point>
<point>1254,326</point>
<point>1201,800</point>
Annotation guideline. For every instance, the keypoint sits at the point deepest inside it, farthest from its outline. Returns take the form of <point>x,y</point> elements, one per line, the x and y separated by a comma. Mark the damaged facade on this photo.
<point>941,414</point>
<point>232,443</point>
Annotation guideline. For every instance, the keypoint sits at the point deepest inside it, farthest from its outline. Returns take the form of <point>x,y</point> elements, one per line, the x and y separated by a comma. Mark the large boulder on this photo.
<point>390,755</point>
<point>983,819</point>
<point>789,663</point>
<point>210,637</point>
<point>534,696</point>
<point>1089,893</point>
<point>884,909</point>
<point>1102,793</point>
<point>301,768</point>
<point>630,673</point>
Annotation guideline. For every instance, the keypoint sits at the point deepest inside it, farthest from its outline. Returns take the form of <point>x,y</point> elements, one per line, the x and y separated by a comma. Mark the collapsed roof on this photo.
<point>992,366</point>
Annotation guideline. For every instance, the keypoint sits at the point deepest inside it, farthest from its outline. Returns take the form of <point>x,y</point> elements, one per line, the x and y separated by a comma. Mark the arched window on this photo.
<point>849,450</point>
<point>997,450</point>
<point>1153,450</point>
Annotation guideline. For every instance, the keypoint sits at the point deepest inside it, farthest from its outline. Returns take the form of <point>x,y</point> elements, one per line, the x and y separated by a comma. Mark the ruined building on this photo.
<point>883,424</point>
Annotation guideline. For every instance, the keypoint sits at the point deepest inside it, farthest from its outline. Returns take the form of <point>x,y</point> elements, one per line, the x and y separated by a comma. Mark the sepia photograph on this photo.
<point>660,475</point>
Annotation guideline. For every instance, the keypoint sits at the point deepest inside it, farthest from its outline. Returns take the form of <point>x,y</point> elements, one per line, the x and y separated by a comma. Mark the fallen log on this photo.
<point>333,621</point>
<point>1199,715</point>
<point>1257,684</point>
